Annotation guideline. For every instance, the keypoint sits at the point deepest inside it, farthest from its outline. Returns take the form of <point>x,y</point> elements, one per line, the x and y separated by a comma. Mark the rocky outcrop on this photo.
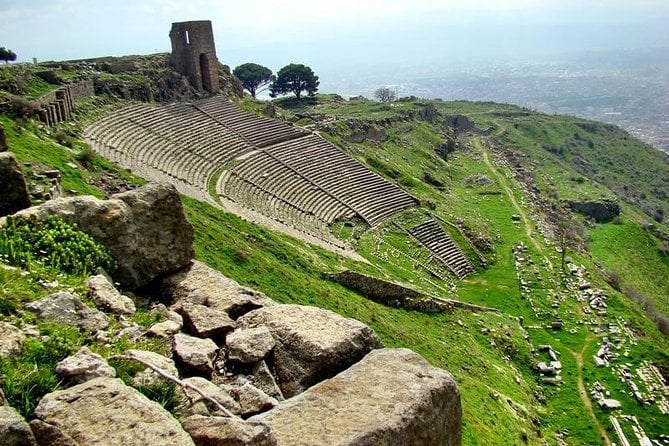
<point>391,397</point>
<point>13,189</point>
<point>202,285</point>
<point>11,340</point>
<point>145,230</point>
<point>105,411</point>
<point>312,344</point>
<point>14,431</point>
<point>105,296</point>
<point>600,211</point>
<point>66,308</point>
<point>224,431</point>
<point>84,366</point>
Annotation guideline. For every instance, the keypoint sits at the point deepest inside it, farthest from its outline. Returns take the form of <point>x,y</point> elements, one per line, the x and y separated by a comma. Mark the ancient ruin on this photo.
<point>194,53</point>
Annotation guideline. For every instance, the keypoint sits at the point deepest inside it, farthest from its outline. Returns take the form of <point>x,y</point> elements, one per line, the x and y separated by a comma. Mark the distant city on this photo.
<point>629,89</point>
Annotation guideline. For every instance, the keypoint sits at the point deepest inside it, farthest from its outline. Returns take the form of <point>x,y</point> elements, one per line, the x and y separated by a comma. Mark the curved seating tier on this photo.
<point>433,236</point>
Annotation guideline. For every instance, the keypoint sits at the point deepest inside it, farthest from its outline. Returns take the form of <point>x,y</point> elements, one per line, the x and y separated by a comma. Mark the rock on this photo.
<point>145,229</point>
<point>83,366</point>
<point>13,189</point>
<point>14,431</point>
<point>211,390</point>
<point>225,431</point>
<point>3,139</point>
<point>196,354</point>
<point>2,398</point>
<point>165,329</point>
<point>105,411</point>
<point>105,295</point>
<point>253,400</point>
<point>148,376</point>
<point>206,322</point>
<point>600,211</point>
<point>264,380</point>
<point>11,340</point>
<point>202,285</point>
<point>391,397</point>
<point>66,308</point>
<point>49,435</point>
<point>249,346</point>
<point>312,344</point>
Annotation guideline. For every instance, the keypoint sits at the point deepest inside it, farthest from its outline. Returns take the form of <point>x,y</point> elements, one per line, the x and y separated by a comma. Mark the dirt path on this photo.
<point>583,393</point>
<point>527,223</point>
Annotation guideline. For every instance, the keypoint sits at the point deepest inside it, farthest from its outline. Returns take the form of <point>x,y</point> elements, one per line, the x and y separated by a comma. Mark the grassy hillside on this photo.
<point>491,354</point>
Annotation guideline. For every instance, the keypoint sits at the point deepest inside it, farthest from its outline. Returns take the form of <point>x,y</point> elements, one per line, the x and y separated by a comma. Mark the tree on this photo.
<point>294,78</point>
<point>253,77</point>
<point>7,55</point>
<point>385,94</point>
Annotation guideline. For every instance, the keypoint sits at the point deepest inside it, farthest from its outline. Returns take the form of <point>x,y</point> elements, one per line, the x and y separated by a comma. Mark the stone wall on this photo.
<point>57,106</point>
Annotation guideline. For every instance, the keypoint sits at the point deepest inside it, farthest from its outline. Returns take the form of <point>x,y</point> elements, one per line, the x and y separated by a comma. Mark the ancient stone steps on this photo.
<point>431,235</point>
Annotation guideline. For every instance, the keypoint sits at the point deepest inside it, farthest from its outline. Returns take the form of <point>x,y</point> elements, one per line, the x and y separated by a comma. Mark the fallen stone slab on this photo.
<point>83,366</point>
<point>206,322</point>
<point>312,344</point>
<point>105,411</point>
<point>391,397</point>
<point>107,297</point>
<point>200,284</point>
<point>11,340</point>
<point>195,354</point>
<point>250,345</point>
<point>14,431</point>
<point>66,308</point>
<point>145,229</point>
<point>225,431</point>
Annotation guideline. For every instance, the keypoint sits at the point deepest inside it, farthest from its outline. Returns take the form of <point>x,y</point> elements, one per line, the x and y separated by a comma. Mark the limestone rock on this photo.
<point>202,285</point>
<point>106,296</point>
<point>312,344</point>
<point>391,397</point>
<point>206,322</point>
<point>165,329</point>
<point>145,229</point>
<point>148,376</point>
<point>13,189</point>
<point>83,366</point>
<point>194,353</point>
<point>105,411</point>
<point>66,308</point>
<point>250,345</point>
<point>264,380</point>
<point>211,390</point>
<point>49,435</point>
<point>11,340</point>
<point>225,431</point>
<point>14,431</point>
<point>253,400</point>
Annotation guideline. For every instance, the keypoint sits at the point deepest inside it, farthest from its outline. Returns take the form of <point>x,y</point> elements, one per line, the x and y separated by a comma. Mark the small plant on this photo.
<point>86,157</point>
<point>53,244</point>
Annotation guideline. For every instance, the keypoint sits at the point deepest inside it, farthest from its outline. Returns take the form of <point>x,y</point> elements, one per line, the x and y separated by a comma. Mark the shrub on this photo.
<point>22,108</point>
<point>54,244</point>
<point>86,157</point>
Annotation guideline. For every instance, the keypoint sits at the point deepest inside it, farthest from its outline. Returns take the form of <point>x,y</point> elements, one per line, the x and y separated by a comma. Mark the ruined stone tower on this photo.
<point>194,53</point>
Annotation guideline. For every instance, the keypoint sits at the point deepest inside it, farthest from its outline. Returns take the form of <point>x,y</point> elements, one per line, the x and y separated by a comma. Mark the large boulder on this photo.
<point>105,411</point>
<point>105,295</point>
<point>391,397</point>
<point>14,431</point>
<point>250,345</point>
<point>13,189</point>
<point>312,344</point>
<point>225,431</point>
<point>199,284</point>
<point>11,340</point>
<point>66,308</point>
<point>145,229</point>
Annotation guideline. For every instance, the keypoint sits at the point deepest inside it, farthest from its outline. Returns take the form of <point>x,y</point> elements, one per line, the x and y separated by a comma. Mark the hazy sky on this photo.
<point>333,33</point>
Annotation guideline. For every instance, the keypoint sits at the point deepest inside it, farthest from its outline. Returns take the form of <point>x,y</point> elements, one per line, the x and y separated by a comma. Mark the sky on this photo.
<point>338,33</point>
